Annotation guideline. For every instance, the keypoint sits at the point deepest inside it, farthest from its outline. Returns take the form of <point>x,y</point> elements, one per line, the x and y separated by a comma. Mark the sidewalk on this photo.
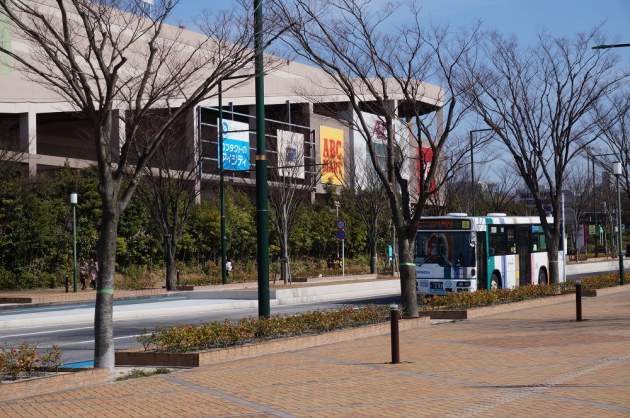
<point>46,297</point>
<point>535,362</point>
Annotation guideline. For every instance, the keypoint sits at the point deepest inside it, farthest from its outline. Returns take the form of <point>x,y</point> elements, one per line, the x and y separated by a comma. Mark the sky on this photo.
<point>521,17</point>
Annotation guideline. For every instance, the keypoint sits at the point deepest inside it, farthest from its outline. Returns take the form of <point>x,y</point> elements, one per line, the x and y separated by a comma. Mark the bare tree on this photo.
<point>169,188</point>
<point>499,196</point>
<point>616,127</point>
<point>383,69</point>
<point>114,64</point>
<point>292,181</point>
<point>540,101</point>
<point>365,191</point>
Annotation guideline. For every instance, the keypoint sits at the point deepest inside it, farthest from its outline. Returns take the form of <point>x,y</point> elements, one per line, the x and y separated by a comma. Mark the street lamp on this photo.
<point>617,173</point>
<point>472,166</point>
<point>73,202</point>
<point>610,46</point>
<point>221,181</point>
<point>594,159</point>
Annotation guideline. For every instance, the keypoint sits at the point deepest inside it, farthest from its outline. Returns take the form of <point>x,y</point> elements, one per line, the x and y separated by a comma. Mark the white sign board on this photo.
<point>290,154</point>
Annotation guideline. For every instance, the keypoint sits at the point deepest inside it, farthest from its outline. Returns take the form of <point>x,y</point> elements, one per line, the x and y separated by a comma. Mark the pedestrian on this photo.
<point>228,267</point>
<point>83,273</point>
<point>93,272</point>
<point>329,263</point>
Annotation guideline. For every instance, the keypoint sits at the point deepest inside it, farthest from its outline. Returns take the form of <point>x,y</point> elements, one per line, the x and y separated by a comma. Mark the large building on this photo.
<point>50,132</point>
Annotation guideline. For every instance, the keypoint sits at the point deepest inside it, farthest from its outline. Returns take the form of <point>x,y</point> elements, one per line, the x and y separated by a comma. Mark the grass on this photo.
<point>137,373</point>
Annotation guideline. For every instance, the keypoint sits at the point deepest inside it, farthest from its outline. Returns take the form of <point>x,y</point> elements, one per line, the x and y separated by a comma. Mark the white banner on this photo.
<point>290,154</point>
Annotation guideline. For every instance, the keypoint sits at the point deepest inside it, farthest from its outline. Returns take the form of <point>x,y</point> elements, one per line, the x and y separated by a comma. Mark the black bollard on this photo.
<point>177,277</point>
<point>578,300</point>
<point>395,338</point>
<point>66,283</point>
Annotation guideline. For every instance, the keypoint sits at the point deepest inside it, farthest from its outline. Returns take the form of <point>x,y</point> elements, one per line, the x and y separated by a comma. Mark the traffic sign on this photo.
<point>341,224</point>
<point>341,234</point>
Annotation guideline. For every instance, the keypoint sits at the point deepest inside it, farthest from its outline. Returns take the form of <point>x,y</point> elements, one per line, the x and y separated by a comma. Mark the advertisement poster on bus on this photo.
<point>290,154</point>
<point>332,152</point>
<point>425,159</point>
<point>235,146</point>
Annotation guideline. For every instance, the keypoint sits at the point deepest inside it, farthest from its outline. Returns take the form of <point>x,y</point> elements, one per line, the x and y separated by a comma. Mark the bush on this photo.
<point>135,278</point>
<point>211,335</point>
<point>596,282</point>
<point>22,362</point>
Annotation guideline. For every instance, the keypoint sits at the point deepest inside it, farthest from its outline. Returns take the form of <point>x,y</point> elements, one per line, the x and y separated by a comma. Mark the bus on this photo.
<point>460,253</point>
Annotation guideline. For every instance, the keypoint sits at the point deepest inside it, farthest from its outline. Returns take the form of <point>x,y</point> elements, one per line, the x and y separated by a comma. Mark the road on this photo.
<point>77,340</point>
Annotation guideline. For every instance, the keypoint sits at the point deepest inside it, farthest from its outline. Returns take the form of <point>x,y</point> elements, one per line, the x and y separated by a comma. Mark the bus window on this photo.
<point>445,249</point>
<point>511,245</point>
<point>497,244</point>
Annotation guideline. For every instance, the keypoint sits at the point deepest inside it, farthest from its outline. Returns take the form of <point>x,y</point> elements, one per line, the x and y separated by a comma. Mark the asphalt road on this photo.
<point>77,341</point>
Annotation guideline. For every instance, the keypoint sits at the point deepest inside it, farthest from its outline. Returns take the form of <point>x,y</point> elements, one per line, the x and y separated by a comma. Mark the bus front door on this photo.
<point>482,261</point>
<point>523,249</point>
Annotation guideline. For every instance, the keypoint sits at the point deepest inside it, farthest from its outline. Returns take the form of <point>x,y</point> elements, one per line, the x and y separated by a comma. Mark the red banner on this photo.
<point>425,159</point>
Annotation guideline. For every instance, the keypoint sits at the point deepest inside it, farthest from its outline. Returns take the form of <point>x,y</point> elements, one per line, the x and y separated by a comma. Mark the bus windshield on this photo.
<point>445,248</point>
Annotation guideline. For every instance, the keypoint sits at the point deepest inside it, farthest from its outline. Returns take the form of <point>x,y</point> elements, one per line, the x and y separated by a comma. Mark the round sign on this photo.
<point>341,234</point>
<point>341,224</point>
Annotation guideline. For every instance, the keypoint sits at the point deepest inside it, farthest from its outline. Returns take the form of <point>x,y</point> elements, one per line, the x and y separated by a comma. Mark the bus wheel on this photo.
<point>542,276</point>
<point>495,283</point>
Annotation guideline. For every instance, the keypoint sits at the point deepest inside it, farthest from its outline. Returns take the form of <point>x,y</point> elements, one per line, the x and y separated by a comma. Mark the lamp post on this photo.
<point>472,166</point>
<point>262,205</point>
<point>594,159</point>
<point>617,173</point>
<point>73,202</point>
<point>610,46</point>
<point>221,180</point>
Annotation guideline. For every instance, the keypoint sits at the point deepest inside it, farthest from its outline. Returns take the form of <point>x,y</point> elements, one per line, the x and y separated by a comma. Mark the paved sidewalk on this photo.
<point>534,362</point>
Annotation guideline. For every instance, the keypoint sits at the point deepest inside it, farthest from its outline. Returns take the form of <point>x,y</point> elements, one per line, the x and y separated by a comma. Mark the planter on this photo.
<point>600,292</point>
<point>497,309</point>
<point>67,378</point>
<point>139,357</point>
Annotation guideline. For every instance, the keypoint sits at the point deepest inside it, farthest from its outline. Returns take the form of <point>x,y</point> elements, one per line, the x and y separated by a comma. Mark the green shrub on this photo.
<point>182,338</point>
<point>596,282</point>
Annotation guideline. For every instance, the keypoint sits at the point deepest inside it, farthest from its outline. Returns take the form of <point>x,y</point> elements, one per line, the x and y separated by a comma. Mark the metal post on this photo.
<point>222,191</point>
<point>564,243</point>
<point>578,300</point>
<point>472,174</point>
<point>66,283</point>
<point>595,212</point>
<point>394,314</point>
<point>177,277</point>
<point>262,216</point>
<point>617,173</point>
<point>73,202</point>
<point>343,259</point>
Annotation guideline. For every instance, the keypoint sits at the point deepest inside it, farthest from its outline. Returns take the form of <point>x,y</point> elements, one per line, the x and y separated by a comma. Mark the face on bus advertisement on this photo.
<point>445,249</point>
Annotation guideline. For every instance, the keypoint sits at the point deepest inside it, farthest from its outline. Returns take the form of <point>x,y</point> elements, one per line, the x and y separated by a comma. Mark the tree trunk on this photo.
<point>284,254</point>
<point>552,253</point>
<point>373,257</point>
<point>104,310</point>
<point>407,268</point>
<point>170,248</point>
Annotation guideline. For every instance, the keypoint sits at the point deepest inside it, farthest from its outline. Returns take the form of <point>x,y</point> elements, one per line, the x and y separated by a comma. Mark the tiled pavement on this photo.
<point>529,363</point>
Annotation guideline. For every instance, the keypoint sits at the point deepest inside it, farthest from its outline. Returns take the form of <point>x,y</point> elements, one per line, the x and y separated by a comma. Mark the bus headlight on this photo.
<point>463,284</point>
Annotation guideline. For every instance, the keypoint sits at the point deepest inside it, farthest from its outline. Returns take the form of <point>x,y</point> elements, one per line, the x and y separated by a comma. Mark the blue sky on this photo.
<point>521,17</point>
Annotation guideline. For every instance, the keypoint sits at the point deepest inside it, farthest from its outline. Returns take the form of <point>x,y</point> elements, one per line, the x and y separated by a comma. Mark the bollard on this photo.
<point>66,283</point>
<point>177,277</point>
<point>395,339</point>
<point>578,300</point>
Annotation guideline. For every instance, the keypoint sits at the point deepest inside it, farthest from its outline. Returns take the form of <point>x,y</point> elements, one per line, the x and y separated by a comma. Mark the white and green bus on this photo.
<point>460,253</point>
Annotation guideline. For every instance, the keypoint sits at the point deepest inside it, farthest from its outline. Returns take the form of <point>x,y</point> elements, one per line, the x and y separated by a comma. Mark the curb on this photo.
<point>516,306</point>
<point>139,357</point>
<point>67,379</point>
